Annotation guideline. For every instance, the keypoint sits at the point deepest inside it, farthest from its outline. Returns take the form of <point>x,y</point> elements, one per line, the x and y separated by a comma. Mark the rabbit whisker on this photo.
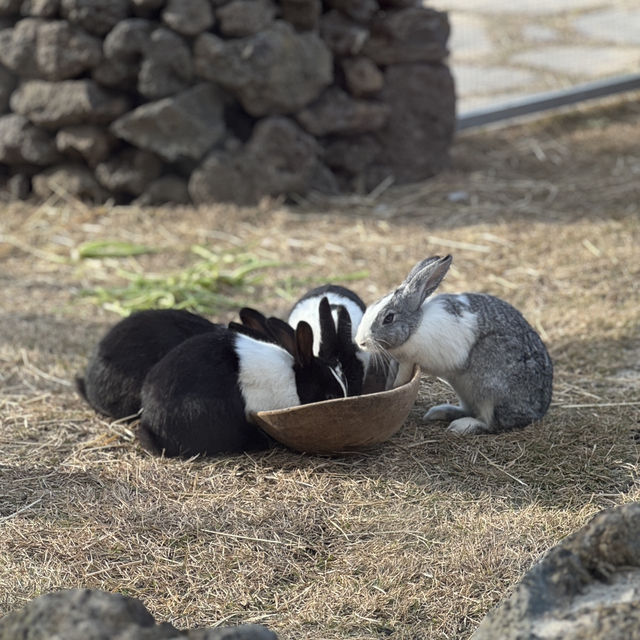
<point>380,355</point>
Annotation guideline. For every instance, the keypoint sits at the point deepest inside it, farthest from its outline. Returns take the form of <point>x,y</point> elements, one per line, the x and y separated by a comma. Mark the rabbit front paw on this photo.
<point>467,426</point>
<point>446,412</point>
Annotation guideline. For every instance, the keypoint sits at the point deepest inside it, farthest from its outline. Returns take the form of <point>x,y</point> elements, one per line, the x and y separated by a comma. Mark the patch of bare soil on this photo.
<point>416,538</point>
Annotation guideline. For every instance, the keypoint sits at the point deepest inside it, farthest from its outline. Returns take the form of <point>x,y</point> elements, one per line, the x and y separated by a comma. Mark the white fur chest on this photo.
<point>265,375</point>
<point>442,342</point>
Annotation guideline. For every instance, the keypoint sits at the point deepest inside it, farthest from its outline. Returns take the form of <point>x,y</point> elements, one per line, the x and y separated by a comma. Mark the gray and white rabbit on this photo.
<point>481,345</point>
<point>199,398</point>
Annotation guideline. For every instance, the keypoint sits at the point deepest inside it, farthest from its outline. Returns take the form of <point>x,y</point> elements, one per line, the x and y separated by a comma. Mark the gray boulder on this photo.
<point>85,142</point>
<point>7,85</point>
<point>146,7</point>
<point>350,156</point>
<point>419,132</point>
<point>124,47</point>
<point>389,4</point>
<point>362,76</point>
<point>40,8</point>
<point>77,181</point>
<point>414,34</point>
<point>81,614</point>
<point>277,71</point>
<point>22,143</point>
<point>64,51</point>
<point>304,15</point>
<point>54,50</point>
<point>169,189</point>
<point>130,171</point>
<point>241,632</point>
<point>166,67</point>
<point>189,17</point>
<point>96,16</point>
<point>17,186</point>
<point>78,613</point>
<point>278,158</point>
<point>585,588</point>
<point>58,104</point>
<point>184,126</point>
<point>221,177</point>
<point>18,47</point>
<point>9,7</point>
<point>343,36</point>
<point>324,181</point>
<point>116,74</point>
<point>155,60</point>
<point>128,40</point>
<point>335,112</point>
<point>241,18</point>
<point>358,10</point>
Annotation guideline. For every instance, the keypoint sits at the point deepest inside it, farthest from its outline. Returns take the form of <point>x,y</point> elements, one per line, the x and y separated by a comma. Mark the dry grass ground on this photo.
<point>415,539</point>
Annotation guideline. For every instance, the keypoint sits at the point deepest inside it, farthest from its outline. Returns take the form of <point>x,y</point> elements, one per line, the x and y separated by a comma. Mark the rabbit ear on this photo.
<point>237,327</point>
<point>283,334</point>
<point>304,344</point>
<point>344,326</point>
<point>328,335</point>
<point>245,330</point>
<point>423,280</point>
<point>327,326</point>
<point>420,266</point>
<point>253,319</point>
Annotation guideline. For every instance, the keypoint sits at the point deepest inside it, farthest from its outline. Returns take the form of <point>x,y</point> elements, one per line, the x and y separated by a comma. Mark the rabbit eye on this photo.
<point>388,319</point>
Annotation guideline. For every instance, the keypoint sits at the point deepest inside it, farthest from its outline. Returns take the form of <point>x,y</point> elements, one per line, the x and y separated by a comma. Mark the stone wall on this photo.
<point>203,101</point>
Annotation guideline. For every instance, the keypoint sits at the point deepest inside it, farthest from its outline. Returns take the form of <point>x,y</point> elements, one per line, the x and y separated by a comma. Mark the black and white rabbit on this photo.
<point>337,345</point>
<point>122,358</point>
<point>198,399</point>
<point>306,308</point>
<point>360,375</point>
<point>481,345</point>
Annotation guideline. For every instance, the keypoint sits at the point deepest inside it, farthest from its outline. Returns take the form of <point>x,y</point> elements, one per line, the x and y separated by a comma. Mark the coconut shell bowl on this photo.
<point>343,424</point>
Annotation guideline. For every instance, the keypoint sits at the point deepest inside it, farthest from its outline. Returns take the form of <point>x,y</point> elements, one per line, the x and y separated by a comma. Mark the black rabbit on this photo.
<point>120,361</point>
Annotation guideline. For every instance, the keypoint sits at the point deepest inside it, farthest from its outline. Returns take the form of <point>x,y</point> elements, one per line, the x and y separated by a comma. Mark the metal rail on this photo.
<point>548,100</point>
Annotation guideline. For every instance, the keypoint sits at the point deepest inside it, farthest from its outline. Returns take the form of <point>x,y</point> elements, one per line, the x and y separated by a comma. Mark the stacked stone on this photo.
<point>220,100</point>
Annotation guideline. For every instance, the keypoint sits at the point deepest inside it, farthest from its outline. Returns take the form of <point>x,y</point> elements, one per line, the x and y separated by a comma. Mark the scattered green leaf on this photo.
<point>110,249</point>
<point>209,284</point>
